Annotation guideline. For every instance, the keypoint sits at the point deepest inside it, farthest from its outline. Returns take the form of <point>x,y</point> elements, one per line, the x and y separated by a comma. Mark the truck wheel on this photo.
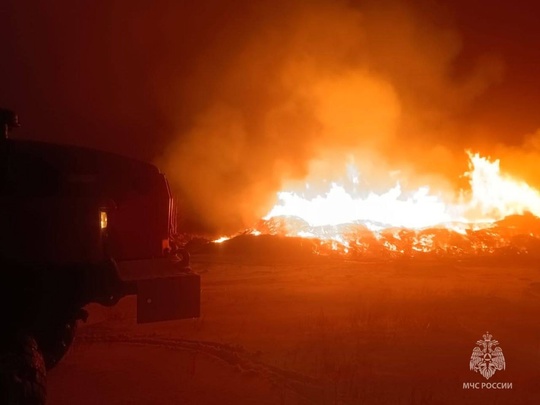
<point>22,373</point>
<point>55,342</point>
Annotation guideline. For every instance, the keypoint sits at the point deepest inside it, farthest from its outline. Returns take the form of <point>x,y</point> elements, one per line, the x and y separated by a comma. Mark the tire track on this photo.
<point>307,387</point>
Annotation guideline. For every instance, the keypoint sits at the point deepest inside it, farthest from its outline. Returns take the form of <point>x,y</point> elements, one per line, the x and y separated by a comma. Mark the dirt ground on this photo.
<point>317,331</point>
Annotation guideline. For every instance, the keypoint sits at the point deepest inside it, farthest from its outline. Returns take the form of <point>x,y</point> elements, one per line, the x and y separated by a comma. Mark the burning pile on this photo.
<point>498,214</point>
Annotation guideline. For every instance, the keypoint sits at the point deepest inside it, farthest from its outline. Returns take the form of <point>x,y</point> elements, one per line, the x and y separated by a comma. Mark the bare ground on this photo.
<point>317,331</point>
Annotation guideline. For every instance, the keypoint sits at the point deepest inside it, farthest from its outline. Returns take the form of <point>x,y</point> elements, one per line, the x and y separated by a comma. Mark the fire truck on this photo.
<point>79,226</point>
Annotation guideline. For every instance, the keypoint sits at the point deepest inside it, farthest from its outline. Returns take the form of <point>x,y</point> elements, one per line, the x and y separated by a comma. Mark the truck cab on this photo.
<point>78,226</point>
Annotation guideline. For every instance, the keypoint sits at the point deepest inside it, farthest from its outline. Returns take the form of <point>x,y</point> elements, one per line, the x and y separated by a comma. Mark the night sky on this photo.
<point>172,81</point>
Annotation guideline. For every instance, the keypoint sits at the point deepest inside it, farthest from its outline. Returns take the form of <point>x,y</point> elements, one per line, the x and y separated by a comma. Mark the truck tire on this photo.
<point>22,373</point>
<point>56,341</point>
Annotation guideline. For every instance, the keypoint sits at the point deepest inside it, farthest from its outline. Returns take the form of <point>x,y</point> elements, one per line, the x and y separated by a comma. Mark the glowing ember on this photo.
<point>222,239</point>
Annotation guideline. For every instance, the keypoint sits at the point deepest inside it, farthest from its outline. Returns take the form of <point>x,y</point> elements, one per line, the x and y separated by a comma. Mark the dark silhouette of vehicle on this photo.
<point>78,226</point>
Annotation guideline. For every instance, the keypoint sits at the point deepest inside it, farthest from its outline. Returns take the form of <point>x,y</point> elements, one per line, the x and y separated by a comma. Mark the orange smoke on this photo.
<point>315,85</point>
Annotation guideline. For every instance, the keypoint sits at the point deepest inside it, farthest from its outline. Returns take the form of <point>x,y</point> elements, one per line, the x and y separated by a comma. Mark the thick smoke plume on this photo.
<point>313,86</point>
<point>236,100</point>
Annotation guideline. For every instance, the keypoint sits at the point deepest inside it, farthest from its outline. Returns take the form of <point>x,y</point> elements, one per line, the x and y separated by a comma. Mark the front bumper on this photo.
<point>165,291</point>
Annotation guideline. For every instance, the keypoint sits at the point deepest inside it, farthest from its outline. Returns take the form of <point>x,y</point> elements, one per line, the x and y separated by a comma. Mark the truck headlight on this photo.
<point>103,219</point>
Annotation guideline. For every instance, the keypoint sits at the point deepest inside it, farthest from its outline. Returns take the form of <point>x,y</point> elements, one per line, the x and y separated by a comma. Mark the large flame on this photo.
<point>492,197</point>
<point>346,216</point>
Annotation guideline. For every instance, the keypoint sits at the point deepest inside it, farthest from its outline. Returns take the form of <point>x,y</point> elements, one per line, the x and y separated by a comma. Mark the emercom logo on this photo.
<point>487,358</point>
